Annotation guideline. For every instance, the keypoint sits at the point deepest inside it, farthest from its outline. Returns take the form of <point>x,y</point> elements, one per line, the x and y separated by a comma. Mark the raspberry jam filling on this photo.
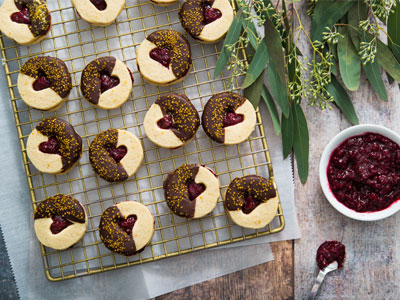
<point>108,82</point>
<point>59,224</point>
<point>166,123</point>
<point>231,118</point>
<point>41,82</point>
<point>100,4</point>
<point>162,55</point>
<point>50,147</point>
<point>128,223</point>
<point>195,189</point>
<point>210,14</point>
<point>250,203</point>
<point>117,153</point>
<point>364,172</point>
<point>329,252</point>
<point>22,16</point>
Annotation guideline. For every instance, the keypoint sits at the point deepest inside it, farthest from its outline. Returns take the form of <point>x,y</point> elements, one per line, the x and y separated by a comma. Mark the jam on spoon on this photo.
<point>329,252</point>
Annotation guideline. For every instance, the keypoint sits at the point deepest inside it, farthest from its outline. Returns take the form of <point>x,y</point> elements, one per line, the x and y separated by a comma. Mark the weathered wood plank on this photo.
<point>372,268</point>
<point>272,280</point>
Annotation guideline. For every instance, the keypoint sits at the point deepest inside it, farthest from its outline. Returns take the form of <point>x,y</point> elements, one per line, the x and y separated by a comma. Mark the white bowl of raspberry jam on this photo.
<point>359,172</point>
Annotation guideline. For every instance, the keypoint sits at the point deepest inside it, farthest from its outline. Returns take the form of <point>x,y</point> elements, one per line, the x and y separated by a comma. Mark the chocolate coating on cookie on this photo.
<point>185,116</point>
<point>70,143</point>
<point>55,71</point>
<point>102,162</point>
<point>191,16</point>
<point>214,112</point>
<point>39,15</point>
<point>91,82</point>
<point>61,205</point>
<point>181,57</point>
<point>113,236</point>
<point>176,192</point>
<point>251,185</point>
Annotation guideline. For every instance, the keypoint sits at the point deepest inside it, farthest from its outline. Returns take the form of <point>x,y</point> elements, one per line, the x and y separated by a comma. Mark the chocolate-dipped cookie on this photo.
<point>115,154</point>
<point>60,221</point>
<point>44,82</point>
<point>191,191</point>
<point>127,227</point>
<point>164,57</point>
<point>99,12</point>
<point>207,21</point>
<point>171,121</point>
<point>228,118</point>
<point>106,82</point>
<point>251,201</point>
<point>25,21</point>
<point>53,146</point>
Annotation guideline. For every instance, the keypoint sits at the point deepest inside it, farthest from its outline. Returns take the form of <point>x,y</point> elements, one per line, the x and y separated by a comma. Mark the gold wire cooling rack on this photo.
<point>77,43</point>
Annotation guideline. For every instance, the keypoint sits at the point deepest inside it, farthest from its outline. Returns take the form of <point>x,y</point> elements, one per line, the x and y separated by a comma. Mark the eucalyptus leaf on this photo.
<point>287,127</point>
<point>266,95</point>
<point>257,65</point>
<point>276,67</point>
<point>357,13</point>
<point>387,60</point>
<point>231,38</point>
<point>349,61</point>
<point>253,33</point>
<point>326,14</point>
<point>342,100</point>
<point>374,77</point>
<point>253,92</point>
<point>300,142</point>
<point>393,25</point>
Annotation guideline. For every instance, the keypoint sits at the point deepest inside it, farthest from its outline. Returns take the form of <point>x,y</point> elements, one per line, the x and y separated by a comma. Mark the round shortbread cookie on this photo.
<point>207,21</point>
<point>44,82</point>
<point>171,121</point>
<point>53,146</point>
<point>116,154</point>
<point>164,3</point>
<point>60,221</point>
<point>191,191</point>
<point>127,227</point>
<point>164,57</point>
<point>99,12</point>
<point>251,201</point>
<point>25,21</point>
<point>106,82</point>
<point>228,118</point>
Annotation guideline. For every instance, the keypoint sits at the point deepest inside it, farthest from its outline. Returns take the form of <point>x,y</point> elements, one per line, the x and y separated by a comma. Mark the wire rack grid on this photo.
<point>77,43</point>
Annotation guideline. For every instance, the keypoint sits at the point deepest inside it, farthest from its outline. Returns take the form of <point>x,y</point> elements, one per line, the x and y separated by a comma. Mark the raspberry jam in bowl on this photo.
<point>360,172</point>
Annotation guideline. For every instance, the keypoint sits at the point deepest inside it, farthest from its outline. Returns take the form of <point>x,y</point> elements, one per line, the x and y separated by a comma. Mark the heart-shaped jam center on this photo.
<point>195,189</point>
<point>231,118</point>
<point>210,14</point>
<point>41,82</point>
<point>100,4</point>
<point>162,55</point>
<point>50,147</point>
<point>22,16</point>
<point>108,82</point>
<point>128,223</point>
<point>117,153</point>
<point>250,203</point>
<point>166,123</point>
<point>59,224</point>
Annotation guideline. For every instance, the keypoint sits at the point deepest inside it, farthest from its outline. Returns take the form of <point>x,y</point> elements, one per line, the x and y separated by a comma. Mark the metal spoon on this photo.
<point>320,278</point>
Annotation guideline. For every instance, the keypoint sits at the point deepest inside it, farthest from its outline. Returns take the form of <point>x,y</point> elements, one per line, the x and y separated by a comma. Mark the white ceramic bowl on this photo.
<point>323,177</point>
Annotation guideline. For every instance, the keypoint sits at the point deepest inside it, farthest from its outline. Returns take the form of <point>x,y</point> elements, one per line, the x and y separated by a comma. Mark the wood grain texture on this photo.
<point>272,280</point>
<point>371,270</point>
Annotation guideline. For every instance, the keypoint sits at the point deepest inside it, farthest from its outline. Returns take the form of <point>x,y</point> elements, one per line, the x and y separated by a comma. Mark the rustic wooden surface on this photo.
<point>272,280</point>
<point>371,270</point>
